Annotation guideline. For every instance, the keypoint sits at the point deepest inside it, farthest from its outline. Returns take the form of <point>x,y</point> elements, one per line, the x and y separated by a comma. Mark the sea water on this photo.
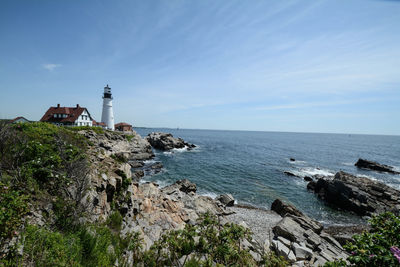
<point>250,165</point>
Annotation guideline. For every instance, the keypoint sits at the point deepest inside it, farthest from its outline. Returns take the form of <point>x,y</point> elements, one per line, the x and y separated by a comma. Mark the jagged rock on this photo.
<point>283,208</point>
<point>308,179</point>
<point>183,185</point>
<point>306,222</point>
<point>165,141</point>
<point>361,195</point>
<point>226,199</point>
<point>372,165</point>
<point>290,174</point>
<point>302,252</point>
<point>304,235</point>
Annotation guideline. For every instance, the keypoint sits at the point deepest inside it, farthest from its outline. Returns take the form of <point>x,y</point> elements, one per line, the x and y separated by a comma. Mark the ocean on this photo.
<point>250,165</point>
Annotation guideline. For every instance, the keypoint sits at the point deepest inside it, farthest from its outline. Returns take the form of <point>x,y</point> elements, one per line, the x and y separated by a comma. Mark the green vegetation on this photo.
<point>373,248</point>
<point>206,244</point>
<point>119,158</point>
<point>40,161</point>
<point>40,157</point>
<point>97,130</point>
<point>13,207</point>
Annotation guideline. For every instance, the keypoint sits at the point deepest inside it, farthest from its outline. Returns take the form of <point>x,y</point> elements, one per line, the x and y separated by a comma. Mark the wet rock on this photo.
<point>290,173</point>
<point>165,141</point>
<point>372,165</point>
<point>308,179</point>
<point>292,159</point>
<point>361,195</point>
<point>226,199</point>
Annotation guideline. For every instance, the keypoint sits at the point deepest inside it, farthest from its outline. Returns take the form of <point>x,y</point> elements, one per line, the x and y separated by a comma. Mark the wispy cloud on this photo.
<point>51,66</point>
<point>316,104</point>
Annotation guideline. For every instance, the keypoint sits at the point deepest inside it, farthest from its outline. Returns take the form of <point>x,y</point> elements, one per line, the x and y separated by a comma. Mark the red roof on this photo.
<point>122,124</point>
<point>72,112</point>
<point>18,118</point>
<point>95,123</point>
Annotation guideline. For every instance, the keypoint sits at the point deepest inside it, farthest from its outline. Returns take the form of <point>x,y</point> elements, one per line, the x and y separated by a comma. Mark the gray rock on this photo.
<point>165,141</point>
<point>226,199</point>
<point>361,195</point>
<point>372,165</point>
<point>302,252</point>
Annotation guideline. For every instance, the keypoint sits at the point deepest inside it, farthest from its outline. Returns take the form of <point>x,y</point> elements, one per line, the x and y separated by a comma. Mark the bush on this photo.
<point>97,130</point>
<point>13,207</point>
<point>45,248</point>
<point>373,248</point>
<point>41,156</point>
<point>376,247</point>
<point>206,244</point>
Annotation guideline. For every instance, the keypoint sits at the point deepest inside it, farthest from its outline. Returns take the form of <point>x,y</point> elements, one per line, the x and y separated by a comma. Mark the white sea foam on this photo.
<point>298,162</point>
<point>149,161</point>
<point>310,171</point>
<point>367,176</point>
<point>208,194</point>
<point>395,186</point>
<point>348,163</point>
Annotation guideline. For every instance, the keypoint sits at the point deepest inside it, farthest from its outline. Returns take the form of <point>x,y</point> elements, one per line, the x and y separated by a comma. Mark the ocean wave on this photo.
<point>208,194</point>
<point>348,163</point>
<point>297,162</point>
<point>149,161</point>
<point>311,171</point>
<point>367,176</point>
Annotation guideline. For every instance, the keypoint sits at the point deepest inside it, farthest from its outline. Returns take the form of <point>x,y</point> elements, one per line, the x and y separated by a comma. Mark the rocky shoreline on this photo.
<point>119,161</point>
<point>285,230</point>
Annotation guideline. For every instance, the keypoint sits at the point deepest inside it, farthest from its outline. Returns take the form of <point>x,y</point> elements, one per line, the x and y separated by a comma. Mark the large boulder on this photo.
<point>301,240</point>
<point>372,165</point>
<point>226,199</point>
<point>358,194</point>
<point>165,141</point>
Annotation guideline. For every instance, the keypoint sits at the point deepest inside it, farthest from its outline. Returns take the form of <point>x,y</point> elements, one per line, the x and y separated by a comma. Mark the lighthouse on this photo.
<point>107,115</point>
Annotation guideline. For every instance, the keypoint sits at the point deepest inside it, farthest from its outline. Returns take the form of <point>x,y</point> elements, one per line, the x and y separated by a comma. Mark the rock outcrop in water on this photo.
<point>165,141</point>
<point>372,165</point>
<point>358,194</point>
<point>301,240</point>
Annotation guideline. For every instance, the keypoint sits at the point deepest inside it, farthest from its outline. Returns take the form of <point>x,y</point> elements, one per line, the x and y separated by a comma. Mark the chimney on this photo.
<point>77,105</point>
<point>58,105</point>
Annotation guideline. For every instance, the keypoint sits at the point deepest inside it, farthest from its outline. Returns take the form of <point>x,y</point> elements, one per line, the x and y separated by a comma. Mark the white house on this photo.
<point>68,116</point>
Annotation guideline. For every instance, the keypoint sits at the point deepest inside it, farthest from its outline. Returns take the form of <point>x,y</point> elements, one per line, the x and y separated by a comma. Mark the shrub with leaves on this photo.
<point>375,248</point>
<point>13,206</point>
<point>206,244</point>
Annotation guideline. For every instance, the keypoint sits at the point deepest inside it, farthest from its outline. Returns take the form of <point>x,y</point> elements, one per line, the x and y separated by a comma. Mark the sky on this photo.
<point>298,66</point>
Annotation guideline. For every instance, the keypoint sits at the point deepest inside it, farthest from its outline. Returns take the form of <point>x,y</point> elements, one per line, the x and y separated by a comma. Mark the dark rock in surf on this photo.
<point>292,159</point>
<point>226,199</point>
<point>308,179</point>
<point>290,174</point>
<point>165,141</point>
<point>361,195</point>
<point>372,165</point>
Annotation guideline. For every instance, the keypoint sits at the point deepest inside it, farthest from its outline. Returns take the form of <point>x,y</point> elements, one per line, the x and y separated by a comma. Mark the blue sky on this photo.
<point>302,66</point>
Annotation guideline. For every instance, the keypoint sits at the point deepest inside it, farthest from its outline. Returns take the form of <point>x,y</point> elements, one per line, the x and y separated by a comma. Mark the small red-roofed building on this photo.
<point>123,126</point>
<point>19,119</point>
<point>68,116</point>
<point>99,124</point>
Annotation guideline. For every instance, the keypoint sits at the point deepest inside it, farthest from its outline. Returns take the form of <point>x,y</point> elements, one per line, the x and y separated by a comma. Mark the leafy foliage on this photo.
<point>41,156</point>
<point>206,244</point>
<point>373,248</point>
<point>13,207</point>
<point>97,130</point>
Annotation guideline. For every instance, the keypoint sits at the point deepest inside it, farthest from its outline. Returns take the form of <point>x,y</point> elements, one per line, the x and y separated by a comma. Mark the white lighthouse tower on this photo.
<point>107,115</point>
